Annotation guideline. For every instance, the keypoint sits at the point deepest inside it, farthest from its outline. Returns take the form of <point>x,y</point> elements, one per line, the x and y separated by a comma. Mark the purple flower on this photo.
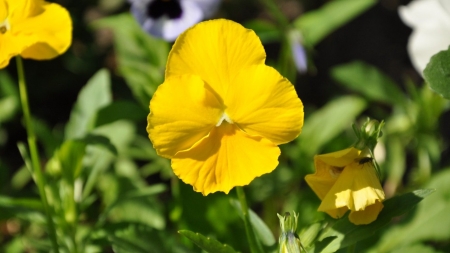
<point>298,51</point>
<point>169,18</point>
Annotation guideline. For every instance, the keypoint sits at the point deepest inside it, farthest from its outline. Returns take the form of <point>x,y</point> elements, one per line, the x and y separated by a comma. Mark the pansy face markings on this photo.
<point>159,8</point>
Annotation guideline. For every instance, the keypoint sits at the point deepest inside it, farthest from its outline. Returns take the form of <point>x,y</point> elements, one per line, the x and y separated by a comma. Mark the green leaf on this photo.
<point>119,110</point>
<point>429,222</point>
<point>131,238</point>
<point>345,233</point>
<point>368,80</point>
<point>94,96</point>
<point>48,138</point>
<point>266,31</point>
<point>206,243</point>
<point>98,161</point>
<point>134,205</point>
<point>8,202</point>
<point>127,245</point>
<point>417,248</point>
<point>326,123</point>
<point>101,141</point>
<point>120,133</point>
<point>260,228</point>
<point>70,156</point>
<point>316,25</point>
<point>9,97</point>
<point>395,163</point>
<point>21,178</point>
<point>140,57</point>
<point>437,73</point>
<point>308,235</point>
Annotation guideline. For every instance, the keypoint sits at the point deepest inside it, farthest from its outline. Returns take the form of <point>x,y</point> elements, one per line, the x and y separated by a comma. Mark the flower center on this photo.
<point>4,26</point>
<point>159,8</point>
<point>224,117</point>
<point>335,171</point>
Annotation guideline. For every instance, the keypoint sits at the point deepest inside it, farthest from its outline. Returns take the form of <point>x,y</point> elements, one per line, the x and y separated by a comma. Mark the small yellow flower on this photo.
<point>346,180</point>
<point>221,112</point>
<point>33,29</point>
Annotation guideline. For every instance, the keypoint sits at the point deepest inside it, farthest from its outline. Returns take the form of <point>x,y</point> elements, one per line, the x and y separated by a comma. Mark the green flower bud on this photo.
<point>368,134</point>
<point>289,240</point>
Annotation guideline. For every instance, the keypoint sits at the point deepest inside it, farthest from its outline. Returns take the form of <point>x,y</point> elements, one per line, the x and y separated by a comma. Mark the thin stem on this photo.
<point>36,167</point>
<point>277,14</point>
<point>351,248</point>
<point>285,60</point>
<point>254,248</point>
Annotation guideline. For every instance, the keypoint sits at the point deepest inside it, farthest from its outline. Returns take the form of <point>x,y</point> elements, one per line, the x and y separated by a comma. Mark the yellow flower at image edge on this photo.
<point>345,180</point>
<point>221,112</point>
<point>33,29</point>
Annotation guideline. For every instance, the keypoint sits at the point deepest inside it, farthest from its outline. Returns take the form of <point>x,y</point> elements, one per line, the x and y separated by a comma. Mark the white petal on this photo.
<point>190,16</point>
<point>424,43</point>
<point>430,20</point>
<point>208,7</point>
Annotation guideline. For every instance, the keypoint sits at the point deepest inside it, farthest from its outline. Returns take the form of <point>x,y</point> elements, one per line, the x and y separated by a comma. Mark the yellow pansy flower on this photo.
<point>347,180</point>
<point>33,29</point>
<point>221,112</point>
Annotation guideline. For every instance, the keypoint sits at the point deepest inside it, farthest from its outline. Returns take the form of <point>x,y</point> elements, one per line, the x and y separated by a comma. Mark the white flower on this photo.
<point>169,18</point>
<point>430,21</point>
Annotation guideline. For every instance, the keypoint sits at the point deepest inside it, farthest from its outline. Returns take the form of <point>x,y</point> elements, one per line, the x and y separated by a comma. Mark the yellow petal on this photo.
<point>366,216</point>
<point>38,30</point>
<point>323,179</point>
<point>9,48</point>
<point>19,10</point>
<point>216,51</point>
<point>339,158</point>
<point>261,102</point>
<point>51,32</point>
<point>228,157</point>
<point>4,11</point>
<point>182,112</point>
<point>366,188</point>
<point>328,169</point>
<point>356,188</point>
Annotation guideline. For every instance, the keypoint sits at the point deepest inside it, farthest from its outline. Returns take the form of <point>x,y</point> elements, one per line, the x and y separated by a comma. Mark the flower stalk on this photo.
<point>254,246</point>
<point>36,167</point>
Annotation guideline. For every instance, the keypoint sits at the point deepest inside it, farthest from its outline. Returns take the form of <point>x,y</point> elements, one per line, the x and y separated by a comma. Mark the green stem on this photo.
<point>36,167</point>
<point>277,14</point>
<point>254,248</point>
<point>351,248</point>
<point>285,61</point>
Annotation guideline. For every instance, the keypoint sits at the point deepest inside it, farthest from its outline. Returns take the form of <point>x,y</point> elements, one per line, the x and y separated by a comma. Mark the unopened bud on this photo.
<point>368,134</point>
<point>289,240</point>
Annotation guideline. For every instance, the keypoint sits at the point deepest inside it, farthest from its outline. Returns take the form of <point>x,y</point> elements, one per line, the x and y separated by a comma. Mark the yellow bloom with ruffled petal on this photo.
<point>346,180</point>
<point>221,112</point>
<point>33,29</point>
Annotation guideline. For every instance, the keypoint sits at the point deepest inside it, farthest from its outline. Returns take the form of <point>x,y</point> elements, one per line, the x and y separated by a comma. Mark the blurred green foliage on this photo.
<point>110,192</point>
